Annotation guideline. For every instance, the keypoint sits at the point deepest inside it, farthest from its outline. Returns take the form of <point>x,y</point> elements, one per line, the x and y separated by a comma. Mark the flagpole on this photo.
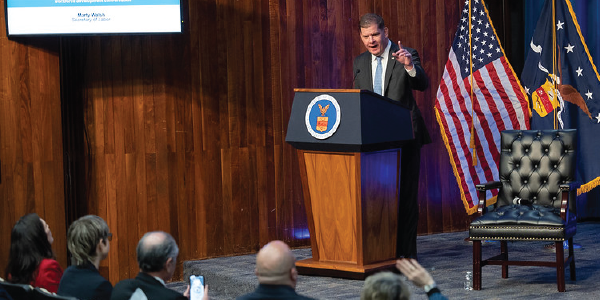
<point>554,62</point>
<point>473,118</point>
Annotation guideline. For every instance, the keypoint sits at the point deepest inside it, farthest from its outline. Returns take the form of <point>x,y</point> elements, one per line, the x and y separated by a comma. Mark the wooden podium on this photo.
<point>350,178</point>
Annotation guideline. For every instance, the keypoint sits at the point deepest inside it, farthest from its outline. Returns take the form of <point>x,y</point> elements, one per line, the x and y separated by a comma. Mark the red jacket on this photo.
<point>48,275</point>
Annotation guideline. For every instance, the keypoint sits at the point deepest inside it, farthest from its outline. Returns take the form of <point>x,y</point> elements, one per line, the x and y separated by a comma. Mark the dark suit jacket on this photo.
<point>4,295</point>
<point>84,283</point>
<point>153,289</point>
<point>398,85</point>
<point>272,292</point>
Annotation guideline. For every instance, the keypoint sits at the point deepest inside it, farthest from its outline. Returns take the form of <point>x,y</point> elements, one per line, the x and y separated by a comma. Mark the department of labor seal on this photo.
<point>323,116</point>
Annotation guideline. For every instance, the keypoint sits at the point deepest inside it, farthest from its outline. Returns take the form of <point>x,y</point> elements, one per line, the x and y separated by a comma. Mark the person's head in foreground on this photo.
<point>276,265</point>
<point>88,240</point>
<point>384,286</point>
<point>30,243</point>
<point>157,254</point>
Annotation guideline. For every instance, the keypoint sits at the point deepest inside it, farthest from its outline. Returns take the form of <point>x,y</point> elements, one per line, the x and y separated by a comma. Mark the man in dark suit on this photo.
<point>276,272</point>
<point>88,240</point>
<point>4,294</point>
<point>157,257</point>
<point>395,71</point>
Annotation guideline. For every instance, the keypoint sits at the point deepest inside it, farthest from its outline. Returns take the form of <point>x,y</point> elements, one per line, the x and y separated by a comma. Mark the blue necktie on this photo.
<point>377,88</point>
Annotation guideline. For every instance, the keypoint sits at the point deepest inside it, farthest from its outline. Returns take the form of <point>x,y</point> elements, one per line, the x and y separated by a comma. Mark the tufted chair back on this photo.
<point>533,163</point>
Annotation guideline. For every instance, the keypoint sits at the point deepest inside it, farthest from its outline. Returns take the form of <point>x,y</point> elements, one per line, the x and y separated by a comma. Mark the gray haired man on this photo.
<point>157,257</point>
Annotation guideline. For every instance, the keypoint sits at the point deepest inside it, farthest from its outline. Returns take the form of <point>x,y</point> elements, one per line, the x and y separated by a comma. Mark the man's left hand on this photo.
<point>404,57</point>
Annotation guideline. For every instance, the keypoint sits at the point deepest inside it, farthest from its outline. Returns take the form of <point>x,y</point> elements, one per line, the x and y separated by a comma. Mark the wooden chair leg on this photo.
<point>504,252</point>
<point>477,265</point>
<point>560,265</point>
<point>572,264</point>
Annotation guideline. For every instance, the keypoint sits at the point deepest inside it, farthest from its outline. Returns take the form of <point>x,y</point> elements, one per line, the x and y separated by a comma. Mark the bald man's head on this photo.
<point>157,252</point>
<point>276,265</point>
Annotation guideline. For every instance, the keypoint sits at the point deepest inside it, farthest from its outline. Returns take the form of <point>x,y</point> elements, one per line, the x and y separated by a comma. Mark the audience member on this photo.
<point>389,286</point>
<point>384,286</point>
<point>276,272</point>
<point>4,294</point>
<point>31,260</point>
<point>419,277</point>
<point>88,239</point>
<point>157,257</point>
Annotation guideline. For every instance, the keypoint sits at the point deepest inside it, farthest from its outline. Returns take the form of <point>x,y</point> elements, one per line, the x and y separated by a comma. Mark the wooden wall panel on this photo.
<point>185,133</point>
<point>31,146</point>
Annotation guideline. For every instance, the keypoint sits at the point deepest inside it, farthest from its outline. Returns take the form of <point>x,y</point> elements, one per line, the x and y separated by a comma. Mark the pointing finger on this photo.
<point>400,45</point>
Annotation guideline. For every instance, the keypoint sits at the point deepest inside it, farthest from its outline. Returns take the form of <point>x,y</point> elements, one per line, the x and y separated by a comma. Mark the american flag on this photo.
<point>498,102</point>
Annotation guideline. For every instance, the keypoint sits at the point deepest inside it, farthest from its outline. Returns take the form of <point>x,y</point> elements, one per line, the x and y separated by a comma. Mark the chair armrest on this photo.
<point>566,189</point>
<point>481,191</point>
<point>488,185</point>
<point>573,185</point>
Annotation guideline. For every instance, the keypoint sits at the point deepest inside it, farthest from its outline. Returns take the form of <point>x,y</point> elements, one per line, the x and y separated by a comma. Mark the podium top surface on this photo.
<point>302,90</point>
<point>347,120</point>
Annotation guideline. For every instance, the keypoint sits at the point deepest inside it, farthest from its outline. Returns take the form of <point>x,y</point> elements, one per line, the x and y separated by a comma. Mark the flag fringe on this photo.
<point>587,51</point>
<point>595,182</point>
<point>470,210</point>
<point>588,186</point>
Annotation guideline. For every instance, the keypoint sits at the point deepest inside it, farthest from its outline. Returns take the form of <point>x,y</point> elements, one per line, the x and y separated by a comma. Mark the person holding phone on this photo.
<point>157,254</point>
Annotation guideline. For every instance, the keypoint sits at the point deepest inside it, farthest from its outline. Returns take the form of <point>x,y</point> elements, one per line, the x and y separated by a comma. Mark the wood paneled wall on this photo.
<point>185,133</point>
<point>31,146</point>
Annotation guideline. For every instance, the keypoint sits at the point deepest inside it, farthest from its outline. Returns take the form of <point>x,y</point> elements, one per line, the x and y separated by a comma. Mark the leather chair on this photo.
<point>535,201</point>
<point>41,294</point>
<point>17,291</point>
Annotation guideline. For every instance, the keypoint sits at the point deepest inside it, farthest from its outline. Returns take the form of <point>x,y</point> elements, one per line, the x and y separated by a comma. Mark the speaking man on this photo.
<point>394,71</point>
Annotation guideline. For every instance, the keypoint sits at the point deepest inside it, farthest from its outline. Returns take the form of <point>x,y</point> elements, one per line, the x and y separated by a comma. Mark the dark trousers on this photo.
<point>408,205</point>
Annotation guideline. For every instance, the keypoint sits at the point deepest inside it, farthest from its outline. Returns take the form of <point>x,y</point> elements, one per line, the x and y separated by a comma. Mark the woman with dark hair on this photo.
<point>31,260</point>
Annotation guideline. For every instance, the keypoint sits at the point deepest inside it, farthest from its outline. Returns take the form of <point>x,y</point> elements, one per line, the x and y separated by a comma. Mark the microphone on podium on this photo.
<point>354,79</point>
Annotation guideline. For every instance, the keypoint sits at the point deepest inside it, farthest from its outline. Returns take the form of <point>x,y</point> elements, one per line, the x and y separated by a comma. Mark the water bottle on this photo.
<point>469,281</point>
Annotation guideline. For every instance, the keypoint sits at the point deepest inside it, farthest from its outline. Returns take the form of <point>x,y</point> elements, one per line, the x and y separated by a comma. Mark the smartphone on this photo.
<point>196,287</point>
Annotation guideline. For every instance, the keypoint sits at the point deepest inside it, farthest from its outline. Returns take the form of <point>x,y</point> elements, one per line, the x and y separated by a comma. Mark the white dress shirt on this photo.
<point>384,60</point>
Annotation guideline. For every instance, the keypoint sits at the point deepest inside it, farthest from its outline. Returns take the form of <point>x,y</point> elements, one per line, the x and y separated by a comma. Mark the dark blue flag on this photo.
<point>564,86</point>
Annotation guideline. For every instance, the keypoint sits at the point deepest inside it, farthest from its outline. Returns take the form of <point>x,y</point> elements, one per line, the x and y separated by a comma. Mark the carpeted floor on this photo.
<point>447,256</point>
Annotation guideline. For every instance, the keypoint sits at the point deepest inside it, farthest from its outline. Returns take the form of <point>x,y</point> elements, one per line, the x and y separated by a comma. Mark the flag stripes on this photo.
<point>497,103</point>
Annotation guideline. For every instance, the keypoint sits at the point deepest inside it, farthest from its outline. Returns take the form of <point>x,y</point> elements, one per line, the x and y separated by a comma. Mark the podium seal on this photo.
<point>323,116</point>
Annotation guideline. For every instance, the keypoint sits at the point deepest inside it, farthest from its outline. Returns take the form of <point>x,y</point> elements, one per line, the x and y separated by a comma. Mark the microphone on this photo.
<point>355,75</point>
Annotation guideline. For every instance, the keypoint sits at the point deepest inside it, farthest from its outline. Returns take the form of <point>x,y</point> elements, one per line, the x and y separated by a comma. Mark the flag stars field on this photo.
<point>569,48</point>
<point>558,29</point>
